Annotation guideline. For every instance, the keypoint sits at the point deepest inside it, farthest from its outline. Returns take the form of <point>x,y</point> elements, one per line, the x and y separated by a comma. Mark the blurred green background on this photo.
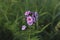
<point>12,18</point>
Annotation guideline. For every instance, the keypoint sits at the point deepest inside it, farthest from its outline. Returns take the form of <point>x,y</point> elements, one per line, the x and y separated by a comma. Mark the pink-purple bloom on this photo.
<point>23,27</point>
<point>36,15</point>
<point>29,20</point>
<point>34,20</point>
<point>27,13</point>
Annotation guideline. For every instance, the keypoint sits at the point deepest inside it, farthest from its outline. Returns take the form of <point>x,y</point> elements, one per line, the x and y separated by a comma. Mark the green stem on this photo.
<point>29,34</point>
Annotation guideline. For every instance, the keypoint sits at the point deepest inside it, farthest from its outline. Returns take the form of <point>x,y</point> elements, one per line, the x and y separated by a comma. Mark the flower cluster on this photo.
<point>31,18</point>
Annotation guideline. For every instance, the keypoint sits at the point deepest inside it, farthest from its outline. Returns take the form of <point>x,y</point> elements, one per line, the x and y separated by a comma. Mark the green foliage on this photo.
<point>12,18</point>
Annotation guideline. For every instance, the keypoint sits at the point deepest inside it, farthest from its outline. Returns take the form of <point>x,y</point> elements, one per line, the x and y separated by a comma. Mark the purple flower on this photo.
<point>27,13</point>
<point>36,16</point>
<point>34,20</point>
<point>29,23</point>
<point>29,20</point>
<point>23,27</point>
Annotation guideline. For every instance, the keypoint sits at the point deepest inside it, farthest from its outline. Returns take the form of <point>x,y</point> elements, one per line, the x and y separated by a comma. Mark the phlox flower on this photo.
<point>29,20</point>
<point>23,27</point>
<point>27,13</point>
